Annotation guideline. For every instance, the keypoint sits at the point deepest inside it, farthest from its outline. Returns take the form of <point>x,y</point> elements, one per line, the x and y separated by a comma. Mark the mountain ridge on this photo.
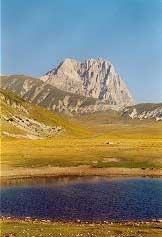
<point>56,100</point>
<point>52,98</point>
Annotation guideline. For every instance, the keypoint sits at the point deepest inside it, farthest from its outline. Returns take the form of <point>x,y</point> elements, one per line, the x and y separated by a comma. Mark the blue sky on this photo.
<point>38,34</point>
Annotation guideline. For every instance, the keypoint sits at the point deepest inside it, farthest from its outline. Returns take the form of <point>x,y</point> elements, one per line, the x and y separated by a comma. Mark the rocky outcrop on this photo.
<point>16,113</point>
<point>33,128</point>
<point>144,111</point>
<point>94,78</point>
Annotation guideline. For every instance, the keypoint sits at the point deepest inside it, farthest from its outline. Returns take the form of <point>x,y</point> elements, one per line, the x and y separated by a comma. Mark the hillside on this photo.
<point>138,114</point>
<point>144,111</point>
<point>24,120</point>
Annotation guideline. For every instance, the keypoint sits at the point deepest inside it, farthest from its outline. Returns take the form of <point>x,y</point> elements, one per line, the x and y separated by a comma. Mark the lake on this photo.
<point>83,198</point>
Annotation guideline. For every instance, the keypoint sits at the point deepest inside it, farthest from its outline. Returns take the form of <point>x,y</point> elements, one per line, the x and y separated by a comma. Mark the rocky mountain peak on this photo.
<point>69,66</point>
<point>95,78</point>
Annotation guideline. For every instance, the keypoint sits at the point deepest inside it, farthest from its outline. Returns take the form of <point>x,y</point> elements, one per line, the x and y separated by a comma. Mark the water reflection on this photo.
<point>57,181</point>
<point>62,180</point>
<point>49,181</point>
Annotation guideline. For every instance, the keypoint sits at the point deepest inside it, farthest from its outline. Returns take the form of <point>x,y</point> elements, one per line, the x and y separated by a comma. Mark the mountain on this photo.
<point>20,119</point>
<point>94,78</point>
<point>40,93</point>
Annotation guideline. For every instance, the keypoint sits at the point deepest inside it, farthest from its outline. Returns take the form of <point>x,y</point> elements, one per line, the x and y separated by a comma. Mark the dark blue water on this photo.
<point>95,199</point>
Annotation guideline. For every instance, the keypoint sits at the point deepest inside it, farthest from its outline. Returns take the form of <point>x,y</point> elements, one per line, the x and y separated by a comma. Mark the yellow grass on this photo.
<point>130,146</point>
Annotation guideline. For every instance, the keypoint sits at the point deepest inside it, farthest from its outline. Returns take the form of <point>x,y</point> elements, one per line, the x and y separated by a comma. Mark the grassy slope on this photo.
<point>84,230</point>
<point>37,113</point>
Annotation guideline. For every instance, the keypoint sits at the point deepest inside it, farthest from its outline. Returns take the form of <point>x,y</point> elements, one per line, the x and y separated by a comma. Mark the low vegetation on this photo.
<point>56,229</point>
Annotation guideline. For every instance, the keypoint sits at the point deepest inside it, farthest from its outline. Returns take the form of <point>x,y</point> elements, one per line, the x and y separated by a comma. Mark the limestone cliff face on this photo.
<point>95,78</point>
<point>37,92</point>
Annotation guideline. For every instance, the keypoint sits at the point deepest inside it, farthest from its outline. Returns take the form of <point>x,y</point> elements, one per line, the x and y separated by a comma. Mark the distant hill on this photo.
<point>24,120</point>
<point>140,112</point>
<point>144,111</point>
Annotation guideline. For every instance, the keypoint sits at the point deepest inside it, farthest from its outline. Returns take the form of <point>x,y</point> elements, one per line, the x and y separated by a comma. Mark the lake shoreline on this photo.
<point>16,173</point>
<point>78,221</point>
<point>17,227</point>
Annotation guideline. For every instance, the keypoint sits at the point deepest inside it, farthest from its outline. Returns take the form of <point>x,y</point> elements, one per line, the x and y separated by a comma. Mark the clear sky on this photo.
<point>38,34</point>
